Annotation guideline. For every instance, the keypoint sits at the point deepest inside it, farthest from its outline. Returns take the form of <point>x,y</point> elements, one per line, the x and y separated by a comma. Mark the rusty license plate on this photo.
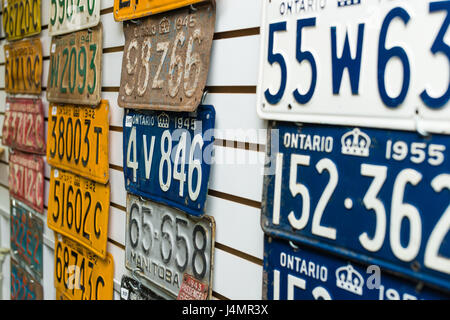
<point>132,289</point>
<point>23,126</point>
<point>132,9</point>
<point>23,67</point>
<point>80,274</point>
<point>78,208</point>
<point>26,238</point>
<point>23,285</point>
<point>21,18</point>
<point>75,67</point>
<point>166,60</point>
<point>163,243</point>
<point>78,140</point>
<point>26,179</point>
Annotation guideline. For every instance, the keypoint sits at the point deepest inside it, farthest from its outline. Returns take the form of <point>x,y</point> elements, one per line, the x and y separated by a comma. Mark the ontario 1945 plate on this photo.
<point>23,285</point>
<point>294,272</point>
<point>26,179</point>
<point>377,196</point>
<point>166,59</point>
<point>165,156</point>
<point>24,126</point>
<point>381,64</point>
<point>78,140</point>
<point>23,67</point>
<point>68,16</point>
<point>132,289</point>
<point>80,274</point>
<point>78,208</point>
<point>75,69</point>
<point>163,243</point>
<point>26,238</point>
<point>21,18</point>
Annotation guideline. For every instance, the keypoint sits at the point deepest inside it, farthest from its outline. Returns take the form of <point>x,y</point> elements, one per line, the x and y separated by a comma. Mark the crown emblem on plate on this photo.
<point>355,143</point>
<point>344,3</point>
<point>164,26</point>
<point>349,279</point>
<point>163,121</point>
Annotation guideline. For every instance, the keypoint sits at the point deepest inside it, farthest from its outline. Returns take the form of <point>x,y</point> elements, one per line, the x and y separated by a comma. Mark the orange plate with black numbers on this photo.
<point>78,140</point>
<point>21,18</point>
<point>23,67</point>
<point>132,9</point>
<point>80,274</point>
<point>78,208</point>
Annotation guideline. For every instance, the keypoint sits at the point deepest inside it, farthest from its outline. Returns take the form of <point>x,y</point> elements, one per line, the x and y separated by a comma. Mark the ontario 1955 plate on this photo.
<point>24,126</point>
<point>75,72</point>
<point>166,59</point>
<point>23,285</point>
<point>21,18</point>
<point>163,243</point>
<point>67,16</point>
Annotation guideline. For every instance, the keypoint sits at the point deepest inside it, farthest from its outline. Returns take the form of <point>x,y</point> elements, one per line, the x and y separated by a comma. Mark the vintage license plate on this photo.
<point>132,289</point>
<point>294,272</point>
<point>68,16</point>
<point>60,296</point>
<point>23,126</point>
<point>192,289</point>
<point>78,208</point>
<point>166,60</point>
<point>360,63</point>
<point>23,67</point>
<point>75,69</point>
<point>378,196</point>
<point>163,243</point>
<point>80,274</point>
<point>26,179</point>
<point>21,18</point>
<point>26,238</point>
<point>78,140</point>
<point>165,157</point>
<point>23,285</point>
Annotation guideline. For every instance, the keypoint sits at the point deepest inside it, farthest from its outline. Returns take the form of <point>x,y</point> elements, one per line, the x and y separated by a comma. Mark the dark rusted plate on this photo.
<point>166,59</point>
<point>23,285</point>
<point>23,67</point>
<point>24,127</point>
<point>132,289</point>
<point>74,74</point>
<point>192,289</point>
<point>26,179</point>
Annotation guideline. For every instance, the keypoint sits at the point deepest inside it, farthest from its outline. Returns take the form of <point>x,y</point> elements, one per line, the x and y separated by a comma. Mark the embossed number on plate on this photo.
<point>21,18</point>
<point>23,285</point>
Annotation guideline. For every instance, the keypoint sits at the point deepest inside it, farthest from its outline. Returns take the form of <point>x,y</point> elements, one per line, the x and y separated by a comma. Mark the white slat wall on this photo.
<point>235,190</point>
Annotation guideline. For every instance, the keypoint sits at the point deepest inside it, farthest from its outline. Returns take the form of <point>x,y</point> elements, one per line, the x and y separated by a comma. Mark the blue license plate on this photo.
<point>23,285</point>
<point>378,196</point>
<point>294,272</point>
<point>167,156</point>
<point>26,238</point>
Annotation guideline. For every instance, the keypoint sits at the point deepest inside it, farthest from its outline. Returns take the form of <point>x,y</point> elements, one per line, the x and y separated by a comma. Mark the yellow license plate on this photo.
<point>78,140</point>
<point>23,66</point>
<point>80,274</point>
<point>78,208</point>
<point>132,9</point>
<point>21,18</point>
<point>60,296</point>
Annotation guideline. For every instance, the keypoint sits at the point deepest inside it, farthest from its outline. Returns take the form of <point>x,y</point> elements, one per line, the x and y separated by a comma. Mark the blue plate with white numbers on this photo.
<point>167,156</point>
<point>376,196</point>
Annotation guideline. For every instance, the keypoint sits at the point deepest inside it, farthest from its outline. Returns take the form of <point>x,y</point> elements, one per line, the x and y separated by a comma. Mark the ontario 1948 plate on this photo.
<point>163,243</point>
<point>166,59</point>
<point>294,272</point>
<point>67,16</point>
<point>80,274</point>
<point>78,140</point>
<point>132,9</point>
<point>24,126</point>
<point>381,64</point>
<point>26,179</point>
<point>21,18</point>
<point>23,67</point>
<point>78,208</point>
<point>23,285</point>
<point>165,156</point>
<point>75,69</point>
<point>373,195</point>
<point>26,238</point>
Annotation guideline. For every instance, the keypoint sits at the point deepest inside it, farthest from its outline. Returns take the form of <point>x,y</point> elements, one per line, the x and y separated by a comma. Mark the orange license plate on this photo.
<point>21,18</point>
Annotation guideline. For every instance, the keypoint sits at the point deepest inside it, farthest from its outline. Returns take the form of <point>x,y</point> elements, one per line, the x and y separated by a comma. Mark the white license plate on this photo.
<point>72,15</point>
<point>162,244</point>
<point>380,63</point>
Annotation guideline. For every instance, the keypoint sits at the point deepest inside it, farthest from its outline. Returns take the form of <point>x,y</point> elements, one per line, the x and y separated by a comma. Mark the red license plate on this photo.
<point>23,127</point>
<point>26,179</point>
